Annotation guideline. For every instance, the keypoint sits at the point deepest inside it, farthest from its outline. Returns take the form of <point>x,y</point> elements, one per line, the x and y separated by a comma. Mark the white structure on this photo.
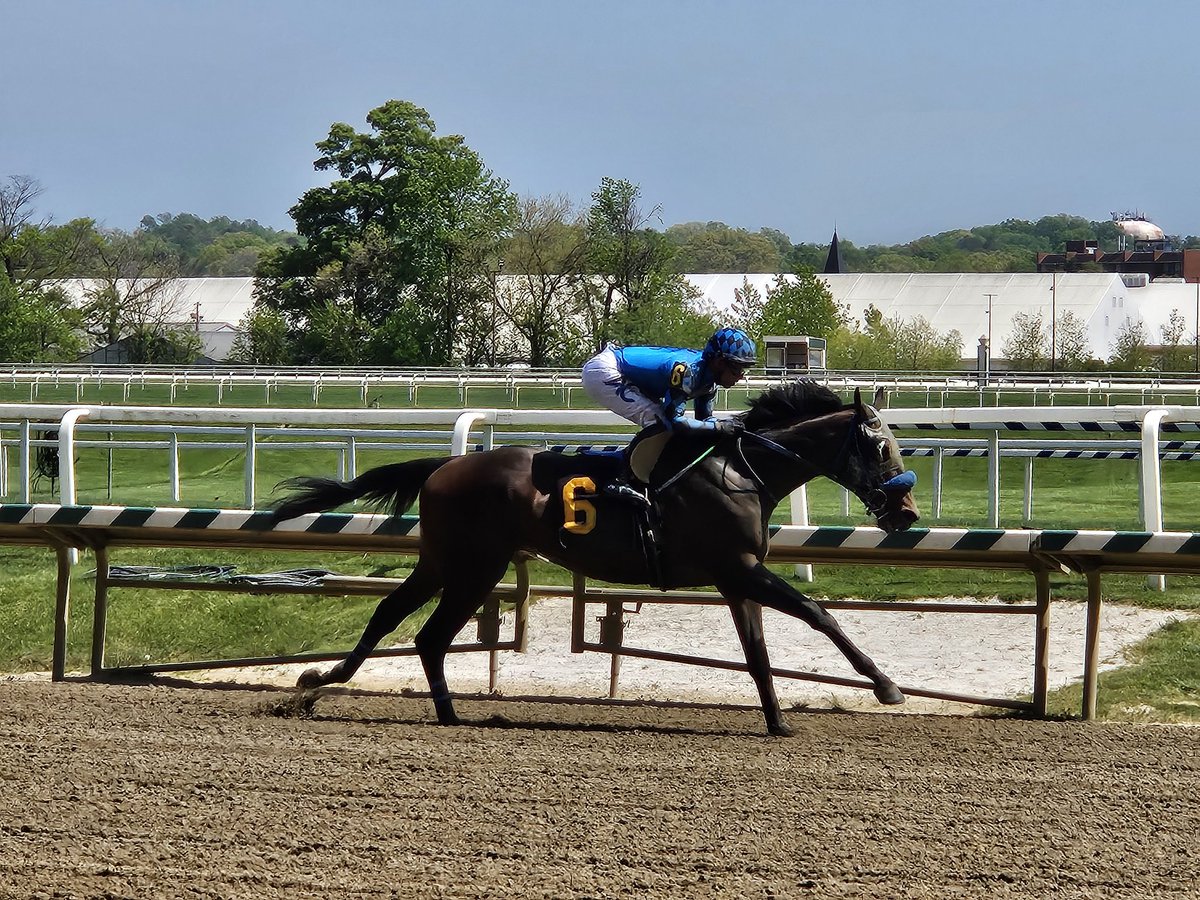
<point>960,302</point>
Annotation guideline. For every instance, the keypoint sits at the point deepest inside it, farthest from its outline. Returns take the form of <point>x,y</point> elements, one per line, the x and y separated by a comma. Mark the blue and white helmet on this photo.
<point>732,344</point>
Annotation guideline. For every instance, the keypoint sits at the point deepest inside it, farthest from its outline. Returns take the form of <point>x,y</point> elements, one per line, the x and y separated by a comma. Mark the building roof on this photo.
<point>220,299</point>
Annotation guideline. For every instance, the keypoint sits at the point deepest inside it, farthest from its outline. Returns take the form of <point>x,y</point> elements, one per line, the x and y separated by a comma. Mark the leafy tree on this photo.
<point>1129,350</point>
<point>632,260</point>
<point>715,247</point>
<point>894,343</point>
<point>544,298</point>
<point>336,335</point>
<point>37,325</point>
<point>1071,343</point>
<point>218,247</point>
<point>801,304</point>
<point>264,339</point>
<point>1027,345</point>
<point>794,304</point>
<point>1175,356</point>
<point>175,346</point>
<point>402,235</point>
<point>669,318</point>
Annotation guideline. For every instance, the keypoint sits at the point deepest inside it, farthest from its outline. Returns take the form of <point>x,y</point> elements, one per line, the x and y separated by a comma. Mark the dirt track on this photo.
<point>110,791</point>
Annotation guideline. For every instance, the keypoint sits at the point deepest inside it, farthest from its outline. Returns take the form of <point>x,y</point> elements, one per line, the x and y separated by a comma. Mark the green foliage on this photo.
<point>264,339</point>
<point>633,260</point>
<point>1130,353</point>
<point>668,318</point>
<point>1071,343</point>
<point>37,324</point>
<point>403,234</point>
<point>217,247</point>
<point>1010,246</point>
<point>793,305</point>
<point>894,343</point>
<point>1177,355</point>
<point>1027,347</point>
<point>715,247</point>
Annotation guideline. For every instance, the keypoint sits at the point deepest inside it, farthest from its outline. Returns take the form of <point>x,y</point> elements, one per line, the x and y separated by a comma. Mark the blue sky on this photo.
<point>889,119</point>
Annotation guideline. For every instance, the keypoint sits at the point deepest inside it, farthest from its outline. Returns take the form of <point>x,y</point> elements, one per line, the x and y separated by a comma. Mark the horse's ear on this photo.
<point>881,397</point>
<point>858,404</point>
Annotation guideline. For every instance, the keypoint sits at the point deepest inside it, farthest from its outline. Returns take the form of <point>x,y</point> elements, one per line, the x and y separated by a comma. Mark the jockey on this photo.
<point>651,386</point>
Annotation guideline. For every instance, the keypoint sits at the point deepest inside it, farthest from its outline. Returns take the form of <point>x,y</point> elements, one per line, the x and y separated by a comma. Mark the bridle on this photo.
<point>875,500</point>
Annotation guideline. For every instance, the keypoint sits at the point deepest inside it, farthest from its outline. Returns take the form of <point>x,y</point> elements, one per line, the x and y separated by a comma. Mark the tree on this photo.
<point>715,247</point>
<point>263,339</point>
<point>219,246</point>
<point>801,304</point>
<point>1175,356</point>
<point>633,260</point>
<point>545,296</point>
<point>894,343</point>
<point>1129,350</point>
<point>1027,345</point>
<point>1071,343</point>
<point>794,304</point>
<point>402,237</point>
<point>37,325</point>
<point>669,318</point>
<point>135,295</point>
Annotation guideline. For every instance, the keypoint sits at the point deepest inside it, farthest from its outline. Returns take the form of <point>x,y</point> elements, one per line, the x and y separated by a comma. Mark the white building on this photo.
<point>960,302</point>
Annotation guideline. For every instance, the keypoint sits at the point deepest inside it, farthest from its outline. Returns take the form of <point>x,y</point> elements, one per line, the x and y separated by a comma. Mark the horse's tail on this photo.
<point>394,486</point>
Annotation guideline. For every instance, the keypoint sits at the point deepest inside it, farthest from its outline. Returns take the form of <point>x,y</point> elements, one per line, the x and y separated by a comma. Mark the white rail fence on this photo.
<point>261,384</point>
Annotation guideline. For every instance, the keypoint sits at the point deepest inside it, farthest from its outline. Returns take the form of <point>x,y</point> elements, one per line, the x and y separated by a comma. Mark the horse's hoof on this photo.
<point>310,678</point>
<point>449,720</point>
<point>781,729</point>
<point>889,695</point>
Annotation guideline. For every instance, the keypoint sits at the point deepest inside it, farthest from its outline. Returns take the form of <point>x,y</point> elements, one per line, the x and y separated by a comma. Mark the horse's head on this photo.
<point>850,444</point>
<point>872,470</point>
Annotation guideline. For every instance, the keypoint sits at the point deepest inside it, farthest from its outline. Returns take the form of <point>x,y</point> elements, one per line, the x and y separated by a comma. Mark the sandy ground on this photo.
<point>235,788</point>
<point>980,655</point>
<point>110,791</point>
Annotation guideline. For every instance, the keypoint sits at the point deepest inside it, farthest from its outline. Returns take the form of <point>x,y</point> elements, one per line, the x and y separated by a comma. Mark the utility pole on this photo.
<point>1198,324</point>
<point>988,372</point>
<point>1053,318</point>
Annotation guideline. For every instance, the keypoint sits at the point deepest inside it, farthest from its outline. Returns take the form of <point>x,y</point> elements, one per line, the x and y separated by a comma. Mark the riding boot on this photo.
<point>623,488</point>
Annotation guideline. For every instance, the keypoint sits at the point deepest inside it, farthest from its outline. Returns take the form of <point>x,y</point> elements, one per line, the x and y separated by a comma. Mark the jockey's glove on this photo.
<point>728,426</point>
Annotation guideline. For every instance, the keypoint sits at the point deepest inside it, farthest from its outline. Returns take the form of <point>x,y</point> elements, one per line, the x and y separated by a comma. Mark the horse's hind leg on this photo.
<point>467,586</point>
<point>747,617</point>
<point>416,590</point>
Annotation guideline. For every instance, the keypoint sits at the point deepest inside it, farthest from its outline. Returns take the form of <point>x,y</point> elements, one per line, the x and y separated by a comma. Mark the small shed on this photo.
<point>794,353</point>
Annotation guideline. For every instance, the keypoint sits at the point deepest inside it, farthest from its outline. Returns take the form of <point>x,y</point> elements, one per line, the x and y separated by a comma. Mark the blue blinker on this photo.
<point>905,481</point>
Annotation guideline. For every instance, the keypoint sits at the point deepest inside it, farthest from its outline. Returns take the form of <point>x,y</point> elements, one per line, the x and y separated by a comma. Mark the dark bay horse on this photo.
<point>714,502</point>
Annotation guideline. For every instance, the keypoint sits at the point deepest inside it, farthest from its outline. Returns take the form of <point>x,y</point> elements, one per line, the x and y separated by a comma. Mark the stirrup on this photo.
<point>628,493</point>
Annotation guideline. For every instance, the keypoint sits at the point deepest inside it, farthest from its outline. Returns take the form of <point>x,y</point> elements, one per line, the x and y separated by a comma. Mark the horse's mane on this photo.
<point>789,403</point>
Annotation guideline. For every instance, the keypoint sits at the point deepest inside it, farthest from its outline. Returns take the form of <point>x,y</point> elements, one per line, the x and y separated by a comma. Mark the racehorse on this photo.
<point>713,496</point>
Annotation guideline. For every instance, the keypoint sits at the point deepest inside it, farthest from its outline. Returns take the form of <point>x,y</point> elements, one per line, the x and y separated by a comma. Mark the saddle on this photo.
<point>575,482</point>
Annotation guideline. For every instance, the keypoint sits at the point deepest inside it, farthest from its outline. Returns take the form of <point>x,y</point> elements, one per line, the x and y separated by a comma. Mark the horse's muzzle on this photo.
<point>892,503</point>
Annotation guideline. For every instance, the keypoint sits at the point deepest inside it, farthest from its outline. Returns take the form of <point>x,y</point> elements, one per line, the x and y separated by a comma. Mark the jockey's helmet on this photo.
<point>732,344</point>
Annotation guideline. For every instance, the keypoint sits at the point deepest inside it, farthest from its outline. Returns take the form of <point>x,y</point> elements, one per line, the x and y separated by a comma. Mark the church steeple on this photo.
<point>834,264</point>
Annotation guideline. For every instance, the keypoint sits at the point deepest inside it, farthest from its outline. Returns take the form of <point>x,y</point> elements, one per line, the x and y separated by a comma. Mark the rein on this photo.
<point>876,500</point>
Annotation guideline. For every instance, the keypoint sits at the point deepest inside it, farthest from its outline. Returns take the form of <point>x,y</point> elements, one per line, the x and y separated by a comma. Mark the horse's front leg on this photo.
<point>762,585</point>
<point>747,616</point>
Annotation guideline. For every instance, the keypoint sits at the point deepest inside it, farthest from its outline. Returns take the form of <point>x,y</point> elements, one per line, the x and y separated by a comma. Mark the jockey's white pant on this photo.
<point>604,383</point>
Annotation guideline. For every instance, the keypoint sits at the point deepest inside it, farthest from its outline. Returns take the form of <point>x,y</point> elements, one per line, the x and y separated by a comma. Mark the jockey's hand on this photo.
<point>728,426</point>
